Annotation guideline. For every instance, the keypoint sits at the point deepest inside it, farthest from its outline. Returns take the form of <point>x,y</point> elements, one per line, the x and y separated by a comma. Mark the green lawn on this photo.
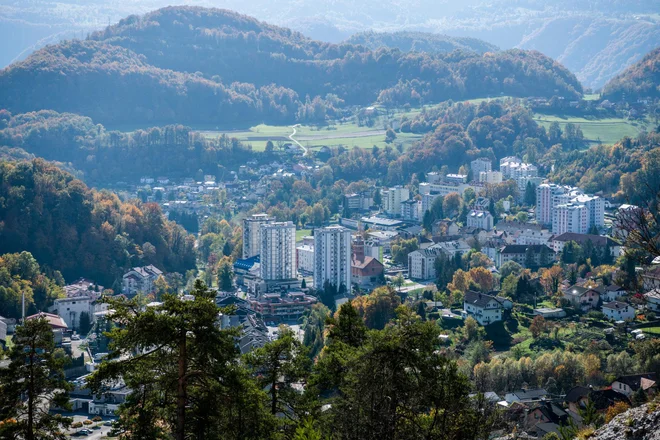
<point>652,330</point>
<point>300,233</point>
<point>607,130</point>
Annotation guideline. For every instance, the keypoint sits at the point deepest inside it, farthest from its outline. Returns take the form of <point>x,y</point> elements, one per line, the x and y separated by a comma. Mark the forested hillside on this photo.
<point>78,231</point>
<point>641,80</point>
<point>420,42</point>
<point>108,156</point>
<point>210,66</point>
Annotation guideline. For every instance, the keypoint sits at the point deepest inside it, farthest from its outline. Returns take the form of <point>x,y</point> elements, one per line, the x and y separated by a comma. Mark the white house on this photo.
<point>71,309</point>
<point>140,279</point>
<point>610,293</point>
<point>653,300</point>
<point>486,309</point>
<point>618,311</point>
<point>480,219</point>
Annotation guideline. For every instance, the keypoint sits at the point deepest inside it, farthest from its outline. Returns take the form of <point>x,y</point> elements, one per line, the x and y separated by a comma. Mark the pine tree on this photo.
<point>182,370</point>
<point>33,381</point>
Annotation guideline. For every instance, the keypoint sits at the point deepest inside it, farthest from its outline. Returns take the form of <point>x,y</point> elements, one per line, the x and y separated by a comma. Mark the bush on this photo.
<point>97,419</point>
<point>615,410</point>
<point>76,425</point>
<point>87,422</point>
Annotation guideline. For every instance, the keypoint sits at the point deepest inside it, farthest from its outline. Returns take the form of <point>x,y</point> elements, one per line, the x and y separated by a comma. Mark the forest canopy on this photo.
<point>82,232</point>
<point>209,66</point>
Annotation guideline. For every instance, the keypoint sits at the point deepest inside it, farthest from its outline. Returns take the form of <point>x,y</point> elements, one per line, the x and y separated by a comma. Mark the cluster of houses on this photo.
<point>537,412</point>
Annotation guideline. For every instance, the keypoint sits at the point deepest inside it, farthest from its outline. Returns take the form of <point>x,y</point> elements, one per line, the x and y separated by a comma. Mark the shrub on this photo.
<point>76,425</point>
<point>87,422</point>
<point>615,410</point>
<point>97,419</point>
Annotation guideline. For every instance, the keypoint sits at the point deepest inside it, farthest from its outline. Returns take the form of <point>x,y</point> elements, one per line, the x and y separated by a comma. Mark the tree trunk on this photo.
<point>181,391</point>
<point>29,435</point>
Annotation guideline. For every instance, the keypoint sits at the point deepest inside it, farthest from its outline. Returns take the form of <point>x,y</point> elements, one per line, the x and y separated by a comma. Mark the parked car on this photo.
<point>75,337</point>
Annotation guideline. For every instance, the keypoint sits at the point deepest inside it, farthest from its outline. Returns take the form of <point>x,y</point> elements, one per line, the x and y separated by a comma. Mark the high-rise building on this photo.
<point>332,257</point>
<point>546,195</point>
<point>252,234</point>
<point>570,217</point>
<point>392,199</point>
<point>278,251</point>
<point>480,165</point>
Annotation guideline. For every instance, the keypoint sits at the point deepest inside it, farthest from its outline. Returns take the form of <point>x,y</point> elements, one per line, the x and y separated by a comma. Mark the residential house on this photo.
<point>140,279</point>
<point>629,384</point>
<point>653,300</point>
<point>582,297</point>
<point>546,413</point>
<point>485,309</point>
<point>534,255</point>
<point>610,293</point>
<point>445,227</point>
<point>56,323</point>
<point>526,396</point>
<point>598,241</point>
<point>651,277</point>
<point>367,271</point>
<point>480,219</point>
<point>107,403</point>
<point>618,311</point>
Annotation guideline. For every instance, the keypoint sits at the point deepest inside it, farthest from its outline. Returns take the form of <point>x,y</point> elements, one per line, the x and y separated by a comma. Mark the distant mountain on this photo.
<point>420,42</point>
<point>595,39</point>
<point>210,66</point>
<point>641,80</point>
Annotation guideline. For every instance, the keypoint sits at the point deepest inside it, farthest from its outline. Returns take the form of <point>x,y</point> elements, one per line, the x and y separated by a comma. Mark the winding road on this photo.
<point>297,143</point>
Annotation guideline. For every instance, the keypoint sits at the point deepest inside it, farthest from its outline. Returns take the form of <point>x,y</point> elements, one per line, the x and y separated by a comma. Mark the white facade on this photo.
<point>392,199</point>
<point>653,300</point>
<point>570,217</point>
<point>427,202</point>
<point>421,263</point>
<point>410,210</point>
<point>545,201</point>
<point>481,165</point>
<point>618,311</point>
<point>492,177</point>
<point>305,258</point>
<point>596,207</point>
<point>480,219</point>
<point>70,309</point>
<point>252,234</point>
<point>332,257</point>
<point>278,251</point>
<point>516,169</point>
<point>485,309</point>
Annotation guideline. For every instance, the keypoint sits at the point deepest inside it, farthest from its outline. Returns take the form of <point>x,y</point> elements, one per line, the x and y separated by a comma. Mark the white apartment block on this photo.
<point>480,219</point>
<point>510,159</point>
<point>570,217</point>
<point>305,258</point>
<point>444,188</point>
<point>491,177</point>
<point>278,251</point>
<point>481,165</point>
<point>392,199</point>
<point>433,177</point>
<point>410,210</point>
<point>516,170</point>
<point>596,207</point>
<point>522,183</point>
<point>70,309</point>
<point>427,202</point>
<point>421,263</point>
<point>252,234</point>
<point>332,257</point>
<point>545,201</point>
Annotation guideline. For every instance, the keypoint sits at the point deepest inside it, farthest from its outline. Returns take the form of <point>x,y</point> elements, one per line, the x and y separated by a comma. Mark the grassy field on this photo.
<point>607,130</point>
<point>346,134</point>
<point>300,233</point>
<point>652,330</point>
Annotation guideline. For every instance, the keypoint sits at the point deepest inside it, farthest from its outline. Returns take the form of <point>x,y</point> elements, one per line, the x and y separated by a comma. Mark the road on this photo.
<point>293,140</point>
